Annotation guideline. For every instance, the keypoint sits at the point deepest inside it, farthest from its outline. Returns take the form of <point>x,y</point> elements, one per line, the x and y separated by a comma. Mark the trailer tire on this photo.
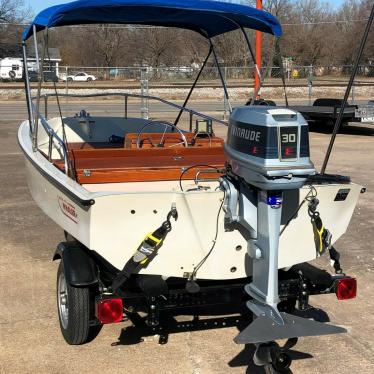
<point>75,307</point>
<point>12,74</point>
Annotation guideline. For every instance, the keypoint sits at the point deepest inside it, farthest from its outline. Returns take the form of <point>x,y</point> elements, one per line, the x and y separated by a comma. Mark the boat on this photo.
<point>159,215</point>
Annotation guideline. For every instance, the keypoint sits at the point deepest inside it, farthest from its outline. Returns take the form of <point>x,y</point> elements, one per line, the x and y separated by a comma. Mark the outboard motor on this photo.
<point>269,148</point>
<point>268,152</point>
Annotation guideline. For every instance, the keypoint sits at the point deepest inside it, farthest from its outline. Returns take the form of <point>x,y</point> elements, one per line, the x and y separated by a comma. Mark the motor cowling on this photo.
<point>269,147</point>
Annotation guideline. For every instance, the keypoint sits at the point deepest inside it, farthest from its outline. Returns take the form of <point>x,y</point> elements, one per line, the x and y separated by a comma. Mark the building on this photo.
<point>13,53</point>
<point>52,59</point>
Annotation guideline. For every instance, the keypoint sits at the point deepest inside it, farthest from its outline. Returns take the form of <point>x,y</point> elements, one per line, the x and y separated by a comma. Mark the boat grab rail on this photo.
<point>138,96</point>
<point>52,135</point>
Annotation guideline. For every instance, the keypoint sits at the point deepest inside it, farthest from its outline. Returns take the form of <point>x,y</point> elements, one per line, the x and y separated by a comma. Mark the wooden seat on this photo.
<point>94,145</point>
<point>139,165</point>
<point>150,140</point>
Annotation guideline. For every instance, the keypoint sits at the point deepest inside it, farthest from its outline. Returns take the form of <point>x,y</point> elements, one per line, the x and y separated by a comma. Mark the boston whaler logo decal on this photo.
<point>68,209</point>
<point>246,134</point>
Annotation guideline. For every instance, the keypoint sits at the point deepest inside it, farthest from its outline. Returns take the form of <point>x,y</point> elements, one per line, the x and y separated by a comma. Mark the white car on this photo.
<point>80,77</point>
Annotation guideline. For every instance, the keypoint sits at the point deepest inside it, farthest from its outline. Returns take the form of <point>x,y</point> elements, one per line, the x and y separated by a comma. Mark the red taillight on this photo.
<point>109,310</point>
<point>346,288</point>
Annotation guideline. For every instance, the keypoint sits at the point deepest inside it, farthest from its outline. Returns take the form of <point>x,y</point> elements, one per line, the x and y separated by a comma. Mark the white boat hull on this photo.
<point>118,221</point>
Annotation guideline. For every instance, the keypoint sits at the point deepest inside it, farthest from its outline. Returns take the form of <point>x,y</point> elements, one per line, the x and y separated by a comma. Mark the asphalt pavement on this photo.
<point>30,340</point>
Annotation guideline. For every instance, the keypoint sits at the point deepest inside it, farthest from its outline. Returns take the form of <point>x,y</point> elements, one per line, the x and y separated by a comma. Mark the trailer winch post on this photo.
<point>348,90</point>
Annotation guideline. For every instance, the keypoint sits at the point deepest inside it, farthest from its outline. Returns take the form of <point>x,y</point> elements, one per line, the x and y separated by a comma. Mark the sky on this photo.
<point>38,5</point>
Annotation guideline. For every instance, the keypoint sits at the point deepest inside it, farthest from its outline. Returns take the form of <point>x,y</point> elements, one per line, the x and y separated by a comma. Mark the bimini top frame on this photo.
<point>207,17</point>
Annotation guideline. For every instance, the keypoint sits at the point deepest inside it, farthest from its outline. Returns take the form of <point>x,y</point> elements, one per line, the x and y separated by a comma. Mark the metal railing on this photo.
<point>53,137</point>
<point>126,97</point>
<point>62,148</point>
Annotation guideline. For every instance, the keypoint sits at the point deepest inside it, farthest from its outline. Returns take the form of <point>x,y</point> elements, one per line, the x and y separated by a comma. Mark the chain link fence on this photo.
<point>12,71</point>
<point>188,74</point>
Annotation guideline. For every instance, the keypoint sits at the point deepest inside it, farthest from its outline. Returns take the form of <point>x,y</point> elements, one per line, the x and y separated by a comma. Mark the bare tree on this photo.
<point>108,43</point>
<point>355,13</point>
<point>311,35</point>
<point>282,9</point>
<point>13,11</point>
<point>158,46</point>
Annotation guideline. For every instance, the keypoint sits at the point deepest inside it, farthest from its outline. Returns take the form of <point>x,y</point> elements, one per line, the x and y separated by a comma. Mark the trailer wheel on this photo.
<point>75,311</point>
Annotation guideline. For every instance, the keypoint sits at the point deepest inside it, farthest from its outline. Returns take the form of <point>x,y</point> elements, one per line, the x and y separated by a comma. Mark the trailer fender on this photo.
<point>79,268</point>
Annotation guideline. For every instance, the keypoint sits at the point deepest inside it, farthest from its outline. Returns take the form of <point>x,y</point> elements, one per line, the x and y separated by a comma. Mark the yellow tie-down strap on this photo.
<point>154,239</point>
<point>318,238</point>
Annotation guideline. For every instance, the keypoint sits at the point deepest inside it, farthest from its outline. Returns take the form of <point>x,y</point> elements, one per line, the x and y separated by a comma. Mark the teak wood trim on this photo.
<point>115,165</point>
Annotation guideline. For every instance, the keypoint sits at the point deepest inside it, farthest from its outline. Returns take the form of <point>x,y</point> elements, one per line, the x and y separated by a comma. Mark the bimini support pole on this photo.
<point>221,75</point>
<point>348,90</point>
<point>192,88</point>
<point>258,72</point>
<point>27,89</point>
<point>258,51</point>
<point>36,48</point>
<point>40,80</point>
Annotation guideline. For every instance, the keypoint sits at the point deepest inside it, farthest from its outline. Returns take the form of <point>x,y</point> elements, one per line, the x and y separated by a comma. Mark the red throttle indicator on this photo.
<point>290,152</point>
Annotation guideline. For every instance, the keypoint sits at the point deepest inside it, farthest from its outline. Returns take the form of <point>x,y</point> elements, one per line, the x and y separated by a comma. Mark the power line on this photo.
<point>156,27</point>
<point>324,22</point>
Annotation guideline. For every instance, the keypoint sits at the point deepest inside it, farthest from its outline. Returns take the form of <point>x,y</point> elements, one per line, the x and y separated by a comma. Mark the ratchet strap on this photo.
<point>146,251</point>
<point>323,237</point>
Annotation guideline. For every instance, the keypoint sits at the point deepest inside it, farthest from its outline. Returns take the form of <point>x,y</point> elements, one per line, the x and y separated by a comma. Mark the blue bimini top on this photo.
<point>207,17</point>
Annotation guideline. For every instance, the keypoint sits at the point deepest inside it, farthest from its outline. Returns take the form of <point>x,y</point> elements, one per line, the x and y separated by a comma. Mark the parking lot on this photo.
<point>30,340</point>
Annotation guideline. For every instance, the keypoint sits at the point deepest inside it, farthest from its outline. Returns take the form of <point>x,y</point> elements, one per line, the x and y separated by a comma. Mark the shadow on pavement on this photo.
<point>170,323</point>
<point>245,358</point>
